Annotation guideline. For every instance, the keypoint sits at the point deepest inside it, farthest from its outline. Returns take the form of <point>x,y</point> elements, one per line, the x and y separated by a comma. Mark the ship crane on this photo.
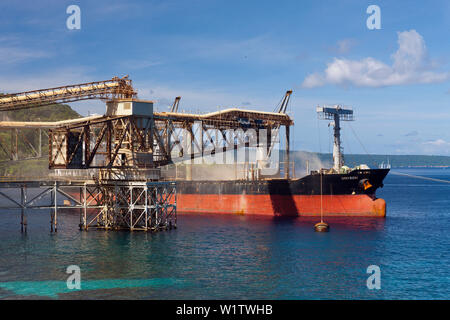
<point>336,113</point>
<point>175,105</point>
<point>285,102</point>
<point>116,88</point>
<point>281,109</point>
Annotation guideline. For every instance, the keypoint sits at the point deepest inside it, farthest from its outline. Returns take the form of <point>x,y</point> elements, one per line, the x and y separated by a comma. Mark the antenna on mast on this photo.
<point>336,113</point>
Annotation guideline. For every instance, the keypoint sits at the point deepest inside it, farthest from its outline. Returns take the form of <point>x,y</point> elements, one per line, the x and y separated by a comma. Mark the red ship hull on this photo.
<point>282,205</point>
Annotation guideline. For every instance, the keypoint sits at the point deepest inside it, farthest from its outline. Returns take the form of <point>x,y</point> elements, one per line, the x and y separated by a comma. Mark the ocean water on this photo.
<point>237,257</point>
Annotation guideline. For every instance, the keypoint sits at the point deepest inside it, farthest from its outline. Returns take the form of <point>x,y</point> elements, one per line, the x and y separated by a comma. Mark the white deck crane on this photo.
<point>336,113</point>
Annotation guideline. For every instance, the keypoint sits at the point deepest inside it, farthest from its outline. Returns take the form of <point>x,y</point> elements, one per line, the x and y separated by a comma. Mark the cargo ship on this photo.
<point>337,191</point>
<point>350,194</point>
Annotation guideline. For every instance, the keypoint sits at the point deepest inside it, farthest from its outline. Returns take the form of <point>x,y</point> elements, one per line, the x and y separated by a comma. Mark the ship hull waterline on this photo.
<point>282,205</point>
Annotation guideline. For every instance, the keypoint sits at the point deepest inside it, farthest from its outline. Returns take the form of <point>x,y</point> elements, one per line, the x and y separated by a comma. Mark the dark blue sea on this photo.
<point>237,257</point>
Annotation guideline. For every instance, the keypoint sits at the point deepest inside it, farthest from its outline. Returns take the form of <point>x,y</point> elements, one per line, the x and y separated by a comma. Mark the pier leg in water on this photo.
<point>55,221</point>
<point>81,210</point>
<point>54,211</point>
<point>51,213</point>
<point>51,221</point>
<point>23,216</point>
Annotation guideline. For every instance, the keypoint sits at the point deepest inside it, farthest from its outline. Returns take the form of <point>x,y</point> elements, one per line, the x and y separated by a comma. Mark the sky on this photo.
<point>219,54</point>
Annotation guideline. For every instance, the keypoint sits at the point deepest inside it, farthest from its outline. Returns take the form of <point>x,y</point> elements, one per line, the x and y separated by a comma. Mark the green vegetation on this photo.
<point>29,139</point>
<point>54,112</point>
<point>32,168</point>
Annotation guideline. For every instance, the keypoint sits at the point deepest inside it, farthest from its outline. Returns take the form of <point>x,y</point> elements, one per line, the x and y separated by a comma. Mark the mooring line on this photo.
<point>419,177</point>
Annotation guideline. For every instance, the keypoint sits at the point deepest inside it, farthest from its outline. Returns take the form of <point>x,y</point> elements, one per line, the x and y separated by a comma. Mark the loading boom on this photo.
<point>116,88</point>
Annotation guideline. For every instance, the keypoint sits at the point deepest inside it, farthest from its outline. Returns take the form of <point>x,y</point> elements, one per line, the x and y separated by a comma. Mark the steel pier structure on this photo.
<point>109,166</point>
<point>145,141</point>
<point>108,205</point>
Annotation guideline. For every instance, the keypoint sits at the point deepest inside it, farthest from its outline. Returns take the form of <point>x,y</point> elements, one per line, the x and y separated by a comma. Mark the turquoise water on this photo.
<point>236,257</point>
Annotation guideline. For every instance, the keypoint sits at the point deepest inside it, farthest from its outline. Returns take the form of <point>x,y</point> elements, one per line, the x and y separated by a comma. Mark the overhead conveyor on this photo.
<point>116,88</point>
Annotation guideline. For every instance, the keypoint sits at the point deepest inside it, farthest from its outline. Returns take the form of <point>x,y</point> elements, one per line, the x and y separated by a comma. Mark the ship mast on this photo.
<point>336,113</point>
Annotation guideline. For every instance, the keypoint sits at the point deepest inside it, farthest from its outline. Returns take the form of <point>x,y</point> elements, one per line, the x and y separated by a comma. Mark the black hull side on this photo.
<point>332,184</point>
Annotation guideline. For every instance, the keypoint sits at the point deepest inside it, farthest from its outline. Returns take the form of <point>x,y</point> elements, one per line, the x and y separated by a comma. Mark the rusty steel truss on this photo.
<point>113,142</point>
<point>121,142</point>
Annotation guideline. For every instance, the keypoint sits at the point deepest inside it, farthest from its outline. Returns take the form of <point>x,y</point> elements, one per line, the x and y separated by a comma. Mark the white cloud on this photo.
<point>343,46</point>
<point>11,51</point>
<point>437,142</point>
<point>410,65</point>
<point>438,146</point>
<point>12,55</point>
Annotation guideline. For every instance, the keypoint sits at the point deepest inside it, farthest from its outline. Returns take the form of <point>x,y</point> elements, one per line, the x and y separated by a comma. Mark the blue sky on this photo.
<point>247,54</point>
